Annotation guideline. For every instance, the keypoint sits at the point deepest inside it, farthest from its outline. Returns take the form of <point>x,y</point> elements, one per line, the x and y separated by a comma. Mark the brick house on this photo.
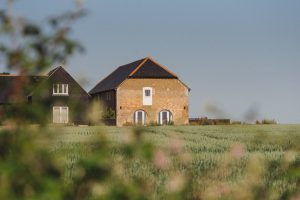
<point>57,93</point>
<point>144,92</point>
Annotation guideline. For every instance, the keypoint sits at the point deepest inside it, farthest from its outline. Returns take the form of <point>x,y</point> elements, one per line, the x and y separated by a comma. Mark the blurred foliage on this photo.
<point>28,170</point>
<point>266,121</point>
<point>30,47</point>
<point>159,162</point>
<point>206,121</point>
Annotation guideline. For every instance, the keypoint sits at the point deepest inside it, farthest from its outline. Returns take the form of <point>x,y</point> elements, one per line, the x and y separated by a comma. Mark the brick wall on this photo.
<point>169,94</point>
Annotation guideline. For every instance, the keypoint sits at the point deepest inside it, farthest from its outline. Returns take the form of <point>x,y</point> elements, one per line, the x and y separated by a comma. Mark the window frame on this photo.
<point>60,89</point>
<point>144,117</point>
<point>169,117</point>
<point>147,93</point>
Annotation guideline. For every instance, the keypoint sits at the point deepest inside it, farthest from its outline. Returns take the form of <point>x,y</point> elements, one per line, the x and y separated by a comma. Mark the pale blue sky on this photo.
<point>235,54</point>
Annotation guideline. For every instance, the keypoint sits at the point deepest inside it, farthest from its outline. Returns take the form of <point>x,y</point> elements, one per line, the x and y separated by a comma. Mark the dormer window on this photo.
<point>147,96</point>
<point>60,89</point>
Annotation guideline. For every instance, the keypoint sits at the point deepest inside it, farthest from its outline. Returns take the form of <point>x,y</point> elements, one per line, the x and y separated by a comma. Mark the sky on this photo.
<point>240,58</point>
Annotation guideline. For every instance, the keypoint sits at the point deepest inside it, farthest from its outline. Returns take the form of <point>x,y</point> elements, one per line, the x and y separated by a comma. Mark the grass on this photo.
<point>230,154</point>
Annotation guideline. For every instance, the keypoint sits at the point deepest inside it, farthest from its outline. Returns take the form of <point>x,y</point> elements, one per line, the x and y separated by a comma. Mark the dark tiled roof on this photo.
<point>52,71</point>
<point>144,68</point>
<point>151,69</point>
<point>114,79</point>
<point>15,88</point>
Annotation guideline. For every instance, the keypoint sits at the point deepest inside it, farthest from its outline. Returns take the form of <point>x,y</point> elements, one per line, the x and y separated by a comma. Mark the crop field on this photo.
<point>235,161</point>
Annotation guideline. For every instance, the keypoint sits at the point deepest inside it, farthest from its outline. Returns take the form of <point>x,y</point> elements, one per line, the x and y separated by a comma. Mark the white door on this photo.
<point>147,96</point>
<point>56,114</point>
<point>64,115</point>
<point>60,114</point>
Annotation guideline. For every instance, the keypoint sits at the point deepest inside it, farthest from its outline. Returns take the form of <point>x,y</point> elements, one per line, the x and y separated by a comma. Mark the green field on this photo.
<point>230,162</point>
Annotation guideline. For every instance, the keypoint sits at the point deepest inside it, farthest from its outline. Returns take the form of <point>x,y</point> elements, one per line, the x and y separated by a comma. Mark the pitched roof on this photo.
<point>53,70</point>
<point>64,74</point>
<point>144,68</point>
<point>15,88</point>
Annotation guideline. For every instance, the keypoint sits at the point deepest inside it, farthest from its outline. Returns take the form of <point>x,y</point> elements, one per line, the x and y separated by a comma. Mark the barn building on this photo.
<point>144,92</point>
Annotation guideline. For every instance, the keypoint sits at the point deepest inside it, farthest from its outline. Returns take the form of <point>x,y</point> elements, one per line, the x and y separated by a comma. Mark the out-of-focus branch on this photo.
<point>30,48</point>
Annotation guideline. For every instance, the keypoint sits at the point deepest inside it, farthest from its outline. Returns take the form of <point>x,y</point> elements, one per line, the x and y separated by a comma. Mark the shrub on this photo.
<point>154,123</point>
<point>205,121</point>
<point>268,121</point>
<point>109,114</point>
<point>128,124</point>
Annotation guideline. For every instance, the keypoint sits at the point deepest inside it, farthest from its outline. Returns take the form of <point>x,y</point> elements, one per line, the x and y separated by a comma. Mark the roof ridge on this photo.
<point>139,66</point>
<point>132,70</point>
<point>105,77</point>
<point>152,60</point>
<point>131,62</point>
<point>51,72</point>
<point>119,68</point>
<point>163,67</point>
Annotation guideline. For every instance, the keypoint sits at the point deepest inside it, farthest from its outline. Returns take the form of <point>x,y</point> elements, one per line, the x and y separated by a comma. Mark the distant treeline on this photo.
<point>207,121</point>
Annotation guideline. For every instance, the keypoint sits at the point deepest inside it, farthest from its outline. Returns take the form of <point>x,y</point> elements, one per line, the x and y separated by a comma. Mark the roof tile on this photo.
<point>143,68</point>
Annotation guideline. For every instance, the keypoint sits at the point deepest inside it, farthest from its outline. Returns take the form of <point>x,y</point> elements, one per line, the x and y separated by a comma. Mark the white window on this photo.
<point>139,117</point>
<point>60,114</point>
<point>165,117</point>
<point>147,96</point>
<point>60,89</point>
